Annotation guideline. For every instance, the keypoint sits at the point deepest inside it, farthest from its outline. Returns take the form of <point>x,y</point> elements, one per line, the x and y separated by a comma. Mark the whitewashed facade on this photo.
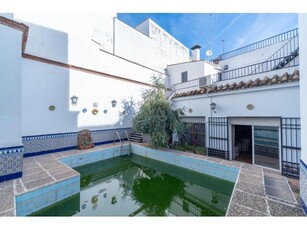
<point>255,91</point>
<point>49,58</point>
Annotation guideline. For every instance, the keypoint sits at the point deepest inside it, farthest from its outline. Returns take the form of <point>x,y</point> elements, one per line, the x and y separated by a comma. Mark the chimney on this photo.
<point>196,53</point>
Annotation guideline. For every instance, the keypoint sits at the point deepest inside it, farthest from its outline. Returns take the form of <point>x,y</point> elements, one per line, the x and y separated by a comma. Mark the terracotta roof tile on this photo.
<point>243,85</point>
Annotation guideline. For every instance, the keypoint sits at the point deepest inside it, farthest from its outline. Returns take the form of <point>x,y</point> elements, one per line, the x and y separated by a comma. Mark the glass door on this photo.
<point>266,146</point>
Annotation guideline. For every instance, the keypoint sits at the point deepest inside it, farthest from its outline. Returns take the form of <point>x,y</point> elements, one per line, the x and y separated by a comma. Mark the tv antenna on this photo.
<point>210,52</point>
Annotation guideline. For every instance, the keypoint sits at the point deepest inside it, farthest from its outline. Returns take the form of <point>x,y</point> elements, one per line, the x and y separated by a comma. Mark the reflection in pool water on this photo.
<point>138,186</point>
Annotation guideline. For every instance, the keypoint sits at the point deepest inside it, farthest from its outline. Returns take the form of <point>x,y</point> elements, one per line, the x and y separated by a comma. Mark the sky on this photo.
<point>217,31</point>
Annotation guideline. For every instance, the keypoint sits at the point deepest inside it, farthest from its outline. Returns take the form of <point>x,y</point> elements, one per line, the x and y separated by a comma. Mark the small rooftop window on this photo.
<point>184,76</point>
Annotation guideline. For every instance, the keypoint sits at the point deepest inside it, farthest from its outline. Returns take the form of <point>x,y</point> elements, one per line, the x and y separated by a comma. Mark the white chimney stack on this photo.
<point>196,53</point>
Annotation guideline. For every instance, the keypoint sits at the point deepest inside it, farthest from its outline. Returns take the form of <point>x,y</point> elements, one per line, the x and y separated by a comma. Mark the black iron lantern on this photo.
<point>113,103</point>
<point>213,107</point>
<point>74,100</point>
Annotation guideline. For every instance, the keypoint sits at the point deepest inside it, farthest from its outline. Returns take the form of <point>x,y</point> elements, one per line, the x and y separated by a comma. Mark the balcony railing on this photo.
<point>257,68</point>
<point>285,56</point>
<point>263,43</point>
<point>261,67</point>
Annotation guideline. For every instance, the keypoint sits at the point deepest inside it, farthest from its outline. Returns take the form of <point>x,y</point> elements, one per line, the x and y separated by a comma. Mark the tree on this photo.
<point>155,116</point>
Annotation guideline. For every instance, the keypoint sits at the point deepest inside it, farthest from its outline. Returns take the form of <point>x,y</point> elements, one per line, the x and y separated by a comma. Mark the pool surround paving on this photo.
<point>257,191</point>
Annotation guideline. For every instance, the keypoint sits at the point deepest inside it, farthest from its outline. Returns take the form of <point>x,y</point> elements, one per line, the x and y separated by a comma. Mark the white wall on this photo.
<point>252,57</point>
<point>143,27</point>
<point>69,39</point>
<point>281,101</point>
<point>135,46</point>
<point>196,69</point>
<point>10,87</point>
<point>44,85</point>
<point>7,15</point>
<point>303,81</point>
<point>166,46</point>
<point>155,51</point>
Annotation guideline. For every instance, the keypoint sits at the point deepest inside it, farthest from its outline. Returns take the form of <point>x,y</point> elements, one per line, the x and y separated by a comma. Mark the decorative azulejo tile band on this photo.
<point>303,185</point>
<point>43,144</point>
<point>11,165</point>
<point>11,162</point>
<point>15,149</point>
<point>45,136</point>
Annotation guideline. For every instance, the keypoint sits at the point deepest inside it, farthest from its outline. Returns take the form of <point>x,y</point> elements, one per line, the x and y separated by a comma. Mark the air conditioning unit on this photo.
<point>204,81</point>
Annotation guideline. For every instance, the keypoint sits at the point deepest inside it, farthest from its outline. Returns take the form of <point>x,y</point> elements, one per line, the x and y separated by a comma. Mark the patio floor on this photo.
<point>258,191</point>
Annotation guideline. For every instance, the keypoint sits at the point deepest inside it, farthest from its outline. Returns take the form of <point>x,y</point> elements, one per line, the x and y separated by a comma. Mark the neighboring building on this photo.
<point>247,101</point>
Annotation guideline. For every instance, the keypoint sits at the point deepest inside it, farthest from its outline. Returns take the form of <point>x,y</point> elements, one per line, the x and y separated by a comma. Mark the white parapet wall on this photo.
<point>11,147</point>
<point>10,87</point>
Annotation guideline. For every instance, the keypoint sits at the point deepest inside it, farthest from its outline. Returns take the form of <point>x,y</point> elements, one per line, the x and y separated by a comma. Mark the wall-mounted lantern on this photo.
<point>74,100</point>
<point>213,107</point>
<point>113,103</point>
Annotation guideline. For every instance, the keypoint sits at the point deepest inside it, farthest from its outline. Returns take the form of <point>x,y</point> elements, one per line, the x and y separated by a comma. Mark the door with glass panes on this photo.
<point>266,146</point>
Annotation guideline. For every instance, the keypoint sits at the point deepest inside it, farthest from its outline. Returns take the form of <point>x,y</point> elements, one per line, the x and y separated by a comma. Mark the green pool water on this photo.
<point>138,186</point>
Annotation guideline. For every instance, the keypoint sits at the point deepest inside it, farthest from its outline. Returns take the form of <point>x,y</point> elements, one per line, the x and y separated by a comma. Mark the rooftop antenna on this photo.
<point>223,45</point>
<point>209,52</point>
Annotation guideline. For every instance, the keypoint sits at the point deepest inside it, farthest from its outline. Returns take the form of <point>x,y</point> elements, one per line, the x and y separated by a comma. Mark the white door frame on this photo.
<point>253,121</point>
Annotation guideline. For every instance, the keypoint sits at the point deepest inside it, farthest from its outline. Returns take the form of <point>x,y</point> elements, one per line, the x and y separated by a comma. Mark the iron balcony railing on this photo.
<point>258,45</point>
<point>185,85</point>
<point>262,67</point>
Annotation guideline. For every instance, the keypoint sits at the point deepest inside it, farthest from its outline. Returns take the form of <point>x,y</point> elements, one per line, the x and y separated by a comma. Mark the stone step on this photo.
<point>136,137</point>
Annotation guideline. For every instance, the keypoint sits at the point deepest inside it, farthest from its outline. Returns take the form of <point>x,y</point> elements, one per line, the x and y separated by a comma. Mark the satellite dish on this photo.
<point>209,53</point>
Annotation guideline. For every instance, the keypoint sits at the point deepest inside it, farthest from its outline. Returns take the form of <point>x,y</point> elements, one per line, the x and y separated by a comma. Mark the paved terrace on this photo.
<point>257,192</point>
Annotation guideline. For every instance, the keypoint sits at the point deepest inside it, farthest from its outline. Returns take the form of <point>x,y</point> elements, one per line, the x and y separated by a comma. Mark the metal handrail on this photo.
<point>288,48</point>
<point>127,136</point>
<point>120,140</point>
<point>261,67</point>
<point>260,44</point>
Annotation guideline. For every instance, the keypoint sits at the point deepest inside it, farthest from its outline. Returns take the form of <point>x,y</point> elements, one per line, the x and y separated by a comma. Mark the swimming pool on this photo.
<point>139,186</point>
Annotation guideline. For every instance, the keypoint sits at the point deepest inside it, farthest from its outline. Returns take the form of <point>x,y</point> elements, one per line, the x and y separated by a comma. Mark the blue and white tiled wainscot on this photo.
<point>303,185</point>
<point>11,163</point>
<point>51,143</point>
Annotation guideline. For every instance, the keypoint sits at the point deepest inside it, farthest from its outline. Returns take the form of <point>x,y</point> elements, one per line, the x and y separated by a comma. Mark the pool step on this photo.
<point>136,137</point>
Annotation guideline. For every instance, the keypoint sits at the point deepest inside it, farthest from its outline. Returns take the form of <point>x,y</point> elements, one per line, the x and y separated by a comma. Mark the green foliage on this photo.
<point>155,116</point>
<point>200,150</point>
<point>195,149</point>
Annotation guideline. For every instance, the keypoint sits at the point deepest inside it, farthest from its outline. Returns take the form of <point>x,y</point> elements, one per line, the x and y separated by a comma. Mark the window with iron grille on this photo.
<point>218,137</point>
<point>291,147</point>
<point>195,131</point>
